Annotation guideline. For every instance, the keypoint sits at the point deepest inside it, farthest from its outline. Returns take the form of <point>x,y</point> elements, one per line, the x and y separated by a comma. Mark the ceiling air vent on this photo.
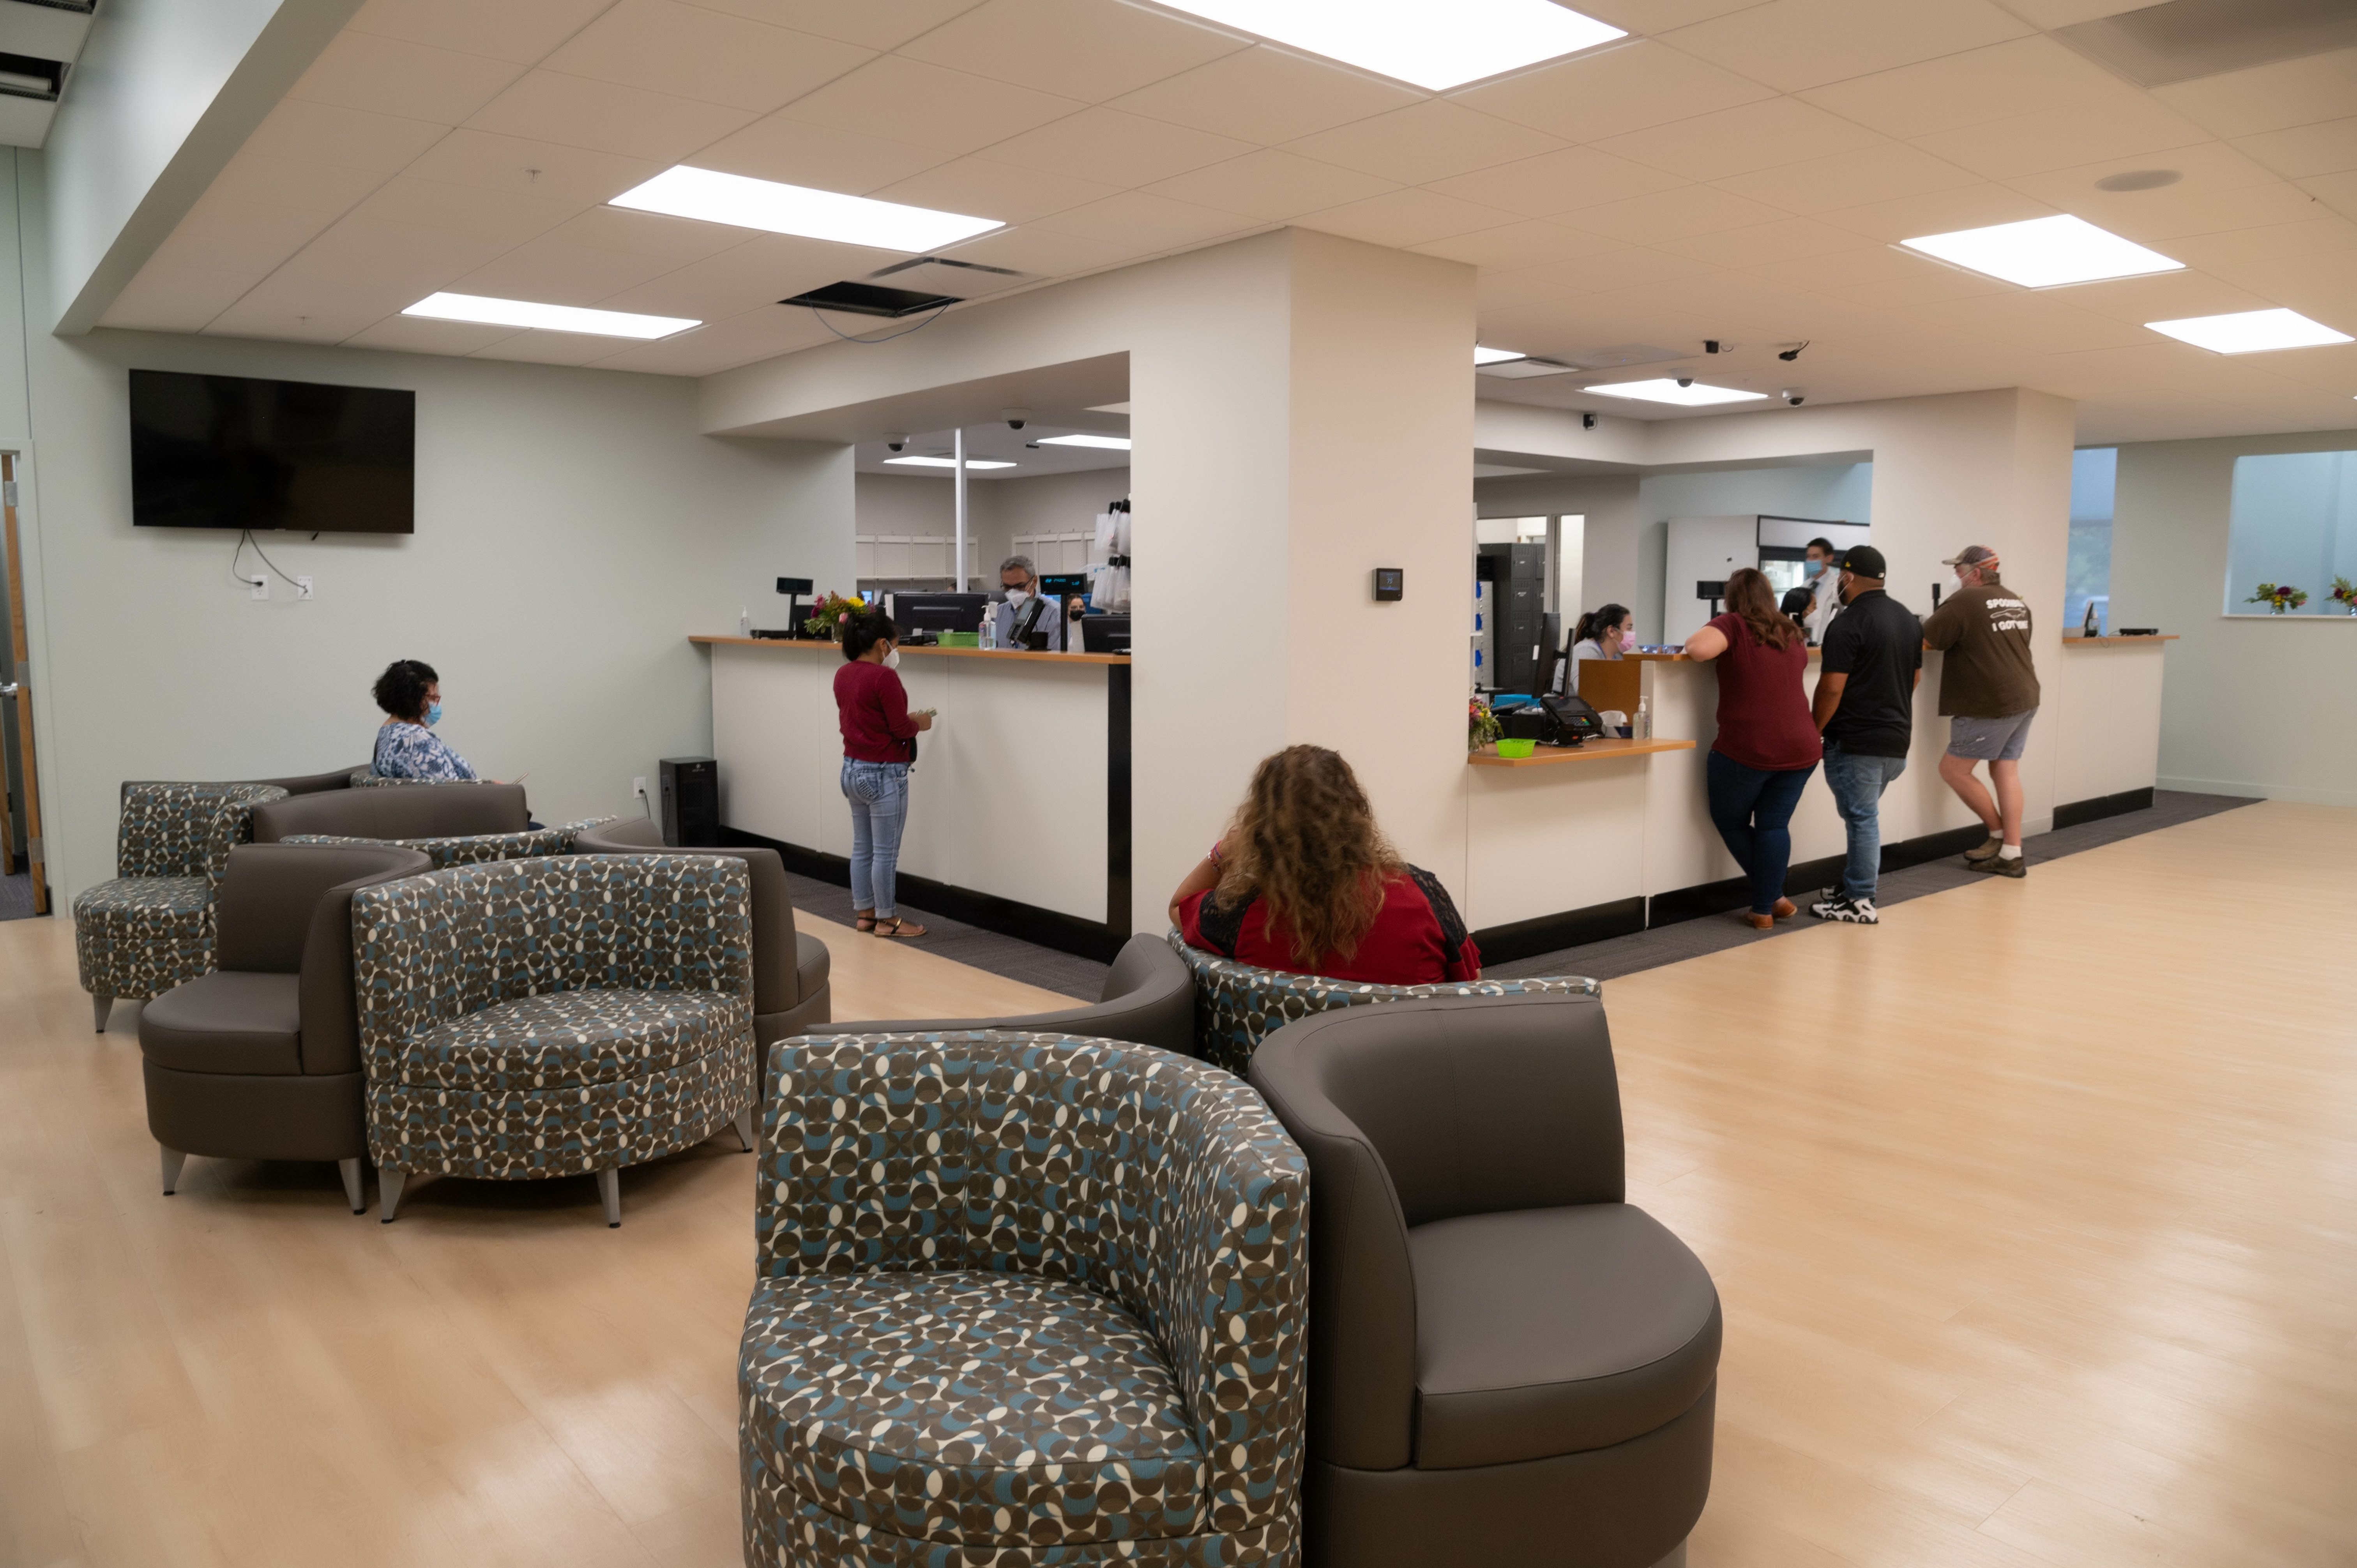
<point>2186,41</point>
<point>22,76</point>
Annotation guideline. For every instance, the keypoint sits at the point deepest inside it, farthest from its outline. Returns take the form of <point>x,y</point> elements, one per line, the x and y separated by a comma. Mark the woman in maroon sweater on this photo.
<point>1304,880</point>
<point>879,740</point>
<point>1767,743</point>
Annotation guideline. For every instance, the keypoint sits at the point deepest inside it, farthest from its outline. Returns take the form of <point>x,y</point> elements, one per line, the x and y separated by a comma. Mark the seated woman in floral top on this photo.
<point>406,747</point>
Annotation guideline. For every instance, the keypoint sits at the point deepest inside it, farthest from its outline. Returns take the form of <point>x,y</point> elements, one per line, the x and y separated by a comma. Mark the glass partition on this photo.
<point>2293,529</point>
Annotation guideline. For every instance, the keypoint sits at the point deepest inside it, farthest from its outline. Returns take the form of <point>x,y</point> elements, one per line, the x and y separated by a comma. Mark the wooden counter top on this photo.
<point>1594,751</point>
<point>912,652</point>
<point>2117,641</point>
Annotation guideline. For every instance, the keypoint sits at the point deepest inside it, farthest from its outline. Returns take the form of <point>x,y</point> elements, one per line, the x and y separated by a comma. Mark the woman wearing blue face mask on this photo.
<point>410,692</point>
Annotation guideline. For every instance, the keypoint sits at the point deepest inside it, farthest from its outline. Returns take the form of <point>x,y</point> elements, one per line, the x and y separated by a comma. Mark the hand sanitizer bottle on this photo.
<point>744,621</point>
<point>1644,728</point>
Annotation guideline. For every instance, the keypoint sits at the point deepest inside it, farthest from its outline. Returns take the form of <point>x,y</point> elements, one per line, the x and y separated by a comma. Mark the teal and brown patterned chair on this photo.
<point>1239,1004</point>
<point>1029,1300</point>
<point>473,849</point>
<point>152,928</point>
<point>560,1015</point>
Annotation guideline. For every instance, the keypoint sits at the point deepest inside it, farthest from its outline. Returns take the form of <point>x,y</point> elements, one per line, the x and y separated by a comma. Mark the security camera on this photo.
<point>1795,398</point>
<point>1685,381</point>
<point>1710,345</point>
<point>1017,418</point>
<point>1587,422</point>
<point>1792,353</point>
<point>897,443</point>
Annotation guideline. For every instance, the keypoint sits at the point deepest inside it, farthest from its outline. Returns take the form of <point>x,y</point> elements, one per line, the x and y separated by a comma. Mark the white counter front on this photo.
<point>1018,805</point>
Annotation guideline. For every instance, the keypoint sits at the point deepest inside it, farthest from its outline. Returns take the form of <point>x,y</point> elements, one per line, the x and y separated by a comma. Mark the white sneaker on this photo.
<point>1840,907</point>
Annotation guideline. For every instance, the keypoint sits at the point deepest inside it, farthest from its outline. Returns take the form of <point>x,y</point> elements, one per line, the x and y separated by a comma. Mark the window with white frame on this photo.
<point>2292,533</point>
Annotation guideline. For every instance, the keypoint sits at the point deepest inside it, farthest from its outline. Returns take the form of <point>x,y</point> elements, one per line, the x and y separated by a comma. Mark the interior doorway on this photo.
<point>24,870</point>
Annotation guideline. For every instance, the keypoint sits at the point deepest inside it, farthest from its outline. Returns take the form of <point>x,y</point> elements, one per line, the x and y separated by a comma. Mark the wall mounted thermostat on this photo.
<point>1390,584</point>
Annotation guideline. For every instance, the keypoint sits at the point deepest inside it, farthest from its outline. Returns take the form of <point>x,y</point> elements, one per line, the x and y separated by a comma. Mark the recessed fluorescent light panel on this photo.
<point>947,463</point>
<point>1435,46</point>
<point>547,317</point>
<point>2044,253</point>
<point>1667,390</point>
<point>1494,356</point>
<point>1110,443</point>
<point>2250,331</point>
<point>733,199</point>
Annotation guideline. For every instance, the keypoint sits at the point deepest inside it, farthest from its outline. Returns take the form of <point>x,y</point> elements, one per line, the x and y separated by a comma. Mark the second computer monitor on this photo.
<point>939,612</point>
<point>1105,634</point>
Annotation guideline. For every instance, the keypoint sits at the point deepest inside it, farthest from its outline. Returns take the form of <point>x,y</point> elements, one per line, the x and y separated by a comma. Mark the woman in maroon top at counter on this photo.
<point>1304,880</point>
<point>879,740</point>
<point>1767,743</point>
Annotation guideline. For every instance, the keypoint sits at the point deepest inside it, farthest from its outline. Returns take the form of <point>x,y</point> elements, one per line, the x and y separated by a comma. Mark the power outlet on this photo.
<point>261,585</point>
<point>302,587</point>
<point>638,789</point>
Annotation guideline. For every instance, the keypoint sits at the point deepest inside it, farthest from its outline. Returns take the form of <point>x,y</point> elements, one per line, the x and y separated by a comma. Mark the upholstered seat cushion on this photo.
<point>570,1038</point>
<point>970,1408</point>
<point>138,897</point>
<point>1549,1331</point>
<point>228,1021</point>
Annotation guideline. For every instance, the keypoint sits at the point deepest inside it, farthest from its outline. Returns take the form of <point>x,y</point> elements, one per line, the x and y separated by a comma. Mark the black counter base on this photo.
<point>2102,806</point>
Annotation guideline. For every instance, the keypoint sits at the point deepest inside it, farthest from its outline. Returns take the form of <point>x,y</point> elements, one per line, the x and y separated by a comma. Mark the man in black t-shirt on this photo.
<point>1866,709</point>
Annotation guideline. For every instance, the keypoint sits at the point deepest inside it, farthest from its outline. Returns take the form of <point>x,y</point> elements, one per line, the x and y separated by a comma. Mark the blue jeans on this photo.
<point>878,793</point>
<point>1752,809</point>
<point>1857,782</point>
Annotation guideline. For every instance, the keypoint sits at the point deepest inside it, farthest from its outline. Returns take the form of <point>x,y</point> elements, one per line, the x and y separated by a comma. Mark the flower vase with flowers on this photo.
<point>1482,726</point>
<point>2277,598</point>
<point>832,614</point>
<point>2345,594</point>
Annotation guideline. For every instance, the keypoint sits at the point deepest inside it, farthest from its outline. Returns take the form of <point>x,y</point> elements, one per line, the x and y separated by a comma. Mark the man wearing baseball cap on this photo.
<point>1989,688</point>
<point>1865,707</point>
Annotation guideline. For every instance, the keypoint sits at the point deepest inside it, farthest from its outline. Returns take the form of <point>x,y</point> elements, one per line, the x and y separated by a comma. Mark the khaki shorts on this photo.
<point>1990,740</point>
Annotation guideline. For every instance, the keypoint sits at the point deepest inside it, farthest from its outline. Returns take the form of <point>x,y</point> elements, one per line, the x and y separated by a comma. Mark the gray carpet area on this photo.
<point>1044,967</point>
<point>1714,933</point>
<point>16,896</point>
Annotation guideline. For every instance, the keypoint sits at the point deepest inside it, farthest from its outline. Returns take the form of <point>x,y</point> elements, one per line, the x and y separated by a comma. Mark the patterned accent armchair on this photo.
<point>553,1017</point>
<point>473,849</point>
<point>152,927</point>
<point>1237,1006</point>
<point>368,778</point>
<point>1027,1299</point>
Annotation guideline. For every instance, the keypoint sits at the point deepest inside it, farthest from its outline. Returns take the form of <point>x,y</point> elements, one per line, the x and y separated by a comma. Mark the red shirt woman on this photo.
<point>1304,881</point>
<point>1767,743</point>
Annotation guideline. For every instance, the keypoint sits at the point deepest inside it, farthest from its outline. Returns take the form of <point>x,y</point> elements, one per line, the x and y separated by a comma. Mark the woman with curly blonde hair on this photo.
<point>1304,880</point>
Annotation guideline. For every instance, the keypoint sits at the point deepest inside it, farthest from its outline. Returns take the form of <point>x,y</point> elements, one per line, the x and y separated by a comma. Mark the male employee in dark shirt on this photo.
<point>1866,707</point>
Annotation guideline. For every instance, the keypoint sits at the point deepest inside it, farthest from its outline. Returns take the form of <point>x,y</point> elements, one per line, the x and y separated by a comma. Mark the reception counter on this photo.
<point>1018,805</point>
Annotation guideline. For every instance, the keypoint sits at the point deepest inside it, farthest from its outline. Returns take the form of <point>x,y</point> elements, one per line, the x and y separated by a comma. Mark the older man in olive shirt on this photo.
<point>1989,686</point>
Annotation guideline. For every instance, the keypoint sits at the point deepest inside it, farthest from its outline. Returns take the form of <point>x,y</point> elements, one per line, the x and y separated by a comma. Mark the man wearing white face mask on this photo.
<point>1025,614</point>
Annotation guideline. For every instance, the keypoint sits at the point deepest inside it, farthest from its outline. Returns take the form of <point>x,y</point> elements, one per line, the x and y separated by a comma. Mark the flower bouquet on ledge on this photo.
<point>1482,726</point>
<point>830,615</point>
<point>2277,598</point>
<point>2345,594</point>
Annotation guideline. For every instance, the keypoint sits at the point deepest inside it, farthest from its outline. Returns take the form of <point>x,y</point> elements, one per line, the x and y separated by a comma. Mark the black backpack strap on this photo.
<point>1443,909</point>
<point>1223,926</point>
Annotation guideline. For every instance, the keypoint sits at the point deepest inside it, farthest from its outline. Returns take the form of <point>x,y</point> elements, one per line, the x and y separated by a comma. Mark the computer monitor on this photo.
<point>1105,634</point>
<point>1064,584</point>
<point>939,612</point>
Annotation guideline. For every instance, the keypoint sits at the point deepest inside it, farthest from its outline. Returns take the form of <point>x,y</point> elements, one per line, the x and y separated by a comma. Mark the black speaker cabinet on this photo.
<point>691,802</point>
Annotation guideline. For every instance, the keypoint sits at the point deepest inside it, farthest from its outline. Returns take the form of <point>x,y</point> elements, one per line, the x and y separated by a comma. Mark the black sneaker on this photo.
<point>1842,906</point>
<point>1998,865</point>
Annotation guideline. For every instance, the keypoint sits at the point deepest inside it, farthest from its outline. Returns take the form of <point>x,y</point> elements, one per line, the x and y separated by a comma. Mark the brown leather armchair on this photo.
<point>398,813</point>
<point>790,987</point>
<point>1148,999</point>
<point>1508,1363</point>
<point>260,1059</point>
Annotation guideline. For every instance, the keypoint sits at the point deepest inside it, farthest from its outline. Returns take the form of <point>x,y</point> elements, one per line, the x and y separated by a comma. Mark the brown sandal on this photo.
<point>899,929</point>
<point>866,922</point>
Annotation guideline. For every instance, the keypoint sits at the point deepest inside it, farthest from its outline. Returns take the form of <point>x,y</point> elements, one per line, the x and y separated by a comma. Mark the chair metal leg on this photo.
<point>744,1128</point>
<point>100,1007</point>
<point>610,1191</point>
<point>173,1161</point>
<point>389,1183</point>
<point>350,1171</point>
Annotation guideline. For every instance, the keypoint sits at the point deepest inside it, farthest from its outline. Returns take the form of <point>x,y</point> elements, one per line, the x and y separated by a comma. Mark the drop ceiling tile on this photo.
<point>1625,88</point>
<point>983,188</point>
<point>1786,238</point>
<point>1153,222</point>
<point>2063,138</point>
<point>1884,278</point>
<point>1402,218</point>
<point>2328,146</point>
<point>1077,48</point>
<point>1271,185</point>
<point>2270,97</point>
<point>2176,211</point>
<point>2033,321</point>
<point>1424,141</point>
<point>224,223</point>
<point>550,349</point>
<point>418,334</point>
<point>548,171</point>
<point>673,241</point>
<point>1883,172</point>
<point>2321,239</point>
<point>355,138</point>
<point>606,117</point>
<point>328,189</point>
<point>499,218</point>
<point>2164,296</point>
<point>2023,77</point>
<point>762,271</point>
<point>554,271</point>
<point>1792,44</point>
<point>909,100</point>
<point>1938,212</point>
<point>2338,191</point>
<point>724,344</point>
<point>1528,243</point>
<point>1672,214</point>
<point>1605,270</point>
<point>413,81</point>
<point>703,56</point>
<point>1116,149</point>
<point>1739,140</point>
<point>1557,182</point>
<point>1030,248</point>
<point>388,267</point>
<point>816,155</point>
<point>1267,96</point>
<point>1649,19</point>
<point>872,24</point>
<point>181,295</point>
<point>1507,290</point>
<point>521,31</point>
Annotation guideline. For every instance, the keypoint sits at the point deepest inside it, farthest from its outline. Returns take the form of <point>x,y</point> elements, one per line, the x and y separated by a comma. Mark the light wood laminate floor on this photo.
<point>2032,1210</point>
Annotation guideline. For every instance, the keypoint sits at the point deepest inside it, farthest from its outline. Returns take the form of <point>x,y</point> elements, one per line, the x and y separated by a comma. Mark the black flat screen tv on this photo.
<point>229,452</point>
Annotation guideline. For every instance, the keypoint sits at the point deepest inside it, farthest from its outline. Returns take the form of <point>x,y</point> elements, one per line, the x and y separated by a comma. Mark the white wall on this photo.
<point>2253,705</point>
<point>573,527</point>
<point>1609,545</point>
<point>1838,492</point>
